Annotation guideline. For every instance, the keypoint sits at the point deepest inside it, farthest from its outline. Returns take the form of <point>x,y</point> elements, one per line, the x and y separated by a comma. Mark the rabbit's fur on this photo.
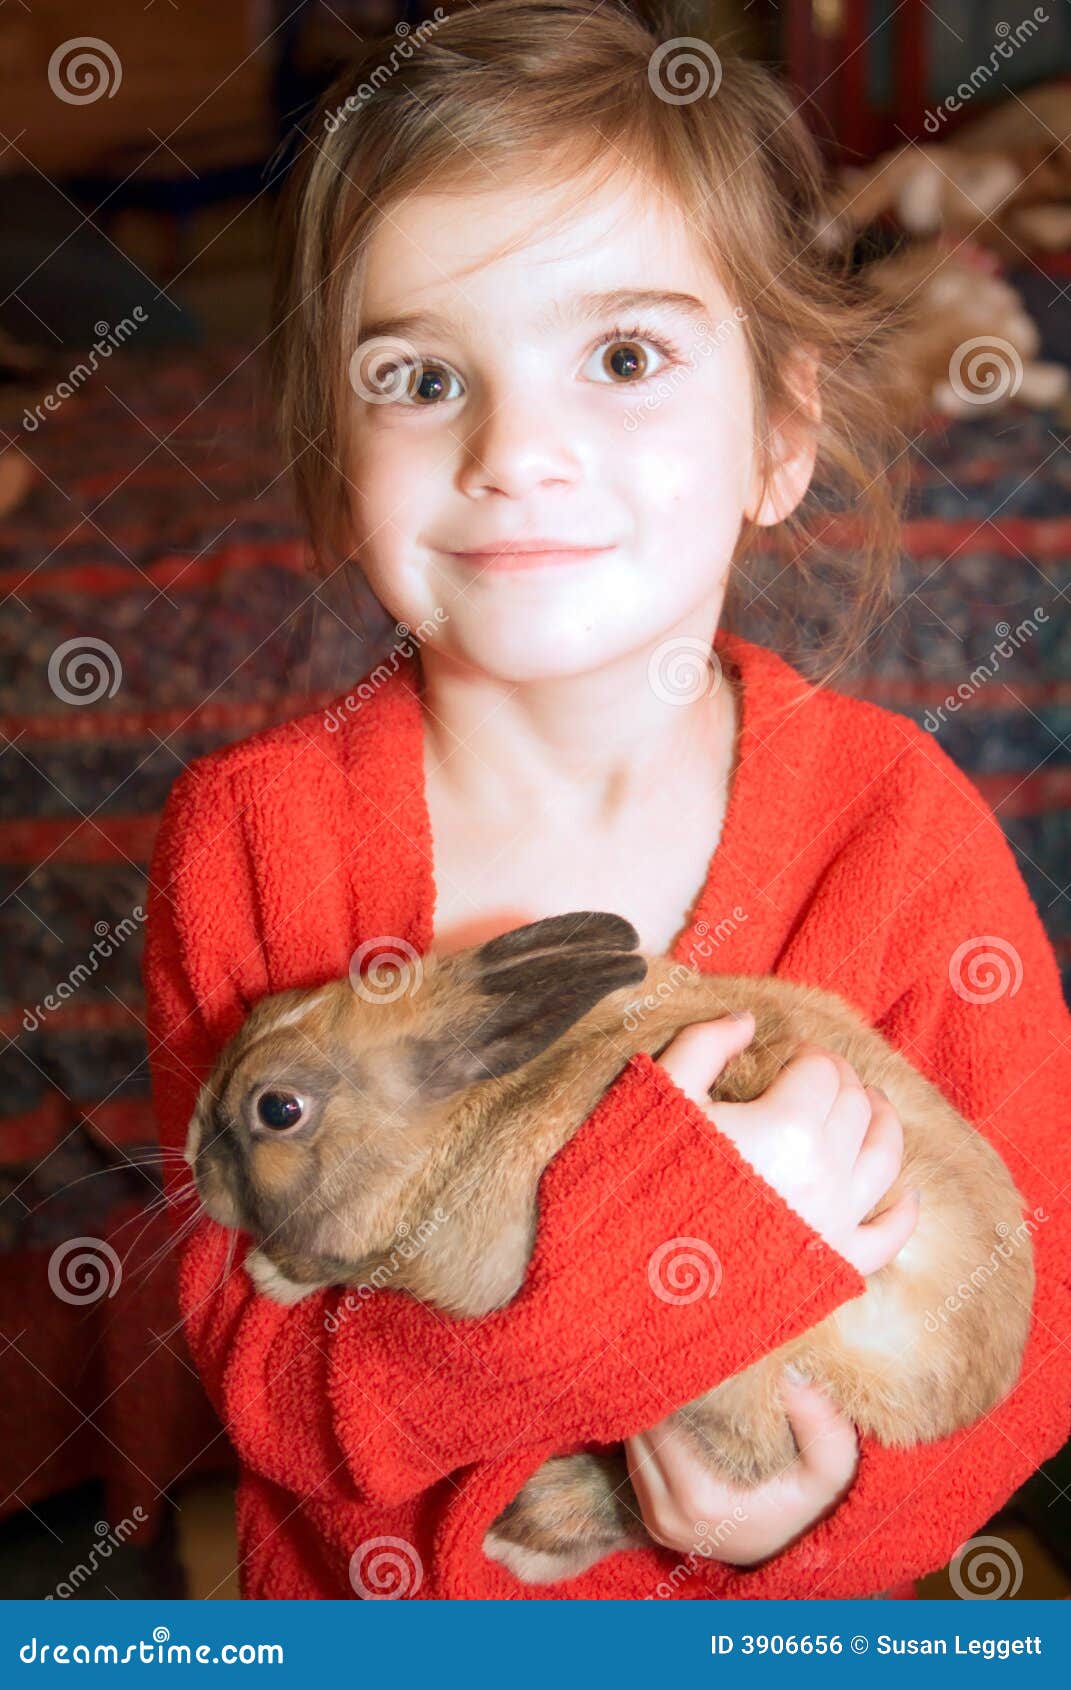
<point>455,1093</point>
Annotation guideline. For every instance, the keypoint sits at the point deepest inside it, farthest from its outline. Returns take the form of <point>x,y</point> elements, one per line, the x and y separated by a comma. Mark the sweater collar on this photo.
<point>771,786</point>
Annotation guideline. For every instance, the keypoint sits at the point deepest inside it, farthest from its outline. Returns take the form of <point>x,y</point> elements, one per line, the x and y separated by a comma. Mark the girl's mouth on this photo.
<point>530,555</point>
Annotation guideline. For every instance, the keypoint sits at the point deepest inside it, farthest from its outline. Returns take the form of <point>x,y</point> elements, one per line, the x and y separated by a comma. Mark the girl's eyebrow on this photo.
<point>579,308</point>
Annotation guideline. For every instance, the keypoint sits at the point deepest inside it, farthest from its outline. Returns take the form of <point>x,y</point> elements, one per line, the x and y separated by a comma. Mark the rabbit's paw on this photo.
<point>271,1281</point>
<point>540,1566</point>
<point>571,1512</point>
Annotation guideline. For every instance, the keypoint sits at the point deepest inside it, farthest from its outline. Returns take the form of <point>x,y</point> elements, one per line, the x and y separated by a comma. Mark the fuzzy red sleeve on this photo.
<point>389,1395</point>
<point>975,1002</point>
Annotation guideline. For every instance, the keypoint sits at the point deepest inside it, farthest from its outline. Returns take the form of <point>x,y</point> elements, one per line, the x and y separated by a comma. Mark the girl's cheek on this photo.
<point>690,466</point>
<point>694,434</point>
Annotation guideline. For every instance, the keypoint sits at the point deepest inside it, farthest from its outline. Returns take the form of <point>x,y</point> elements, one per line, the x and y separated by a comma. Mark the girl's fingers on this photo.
<point>849,1121</point>
<point>828,1447</point>
<point>647,1455</point>
<point>647,1471</point>
<point>642,1470</point>
<point>878,1162</point>
<point>697,1055</point>
<point>672,1470</point>
<point>881,1239</point>
<point>807,1087</point>
<point>676,1488</point>
<point>674,1461</point>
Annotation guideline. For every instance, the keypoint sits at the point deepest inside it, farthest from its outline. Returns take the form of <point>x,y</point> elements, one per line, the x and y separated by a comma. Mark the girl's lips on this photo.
<point>497,563</point>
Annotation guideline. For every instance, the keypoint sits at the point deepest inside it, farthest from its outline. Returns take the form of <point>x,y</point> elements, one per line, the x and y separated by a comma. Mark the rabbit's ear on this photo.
<point>520,992</point>
<point>563,935</point>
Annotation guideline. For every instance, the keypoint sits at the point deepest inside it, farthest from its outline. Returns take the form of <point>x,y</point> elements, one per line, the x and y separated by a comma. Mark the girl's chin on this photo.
<point>517,658</point>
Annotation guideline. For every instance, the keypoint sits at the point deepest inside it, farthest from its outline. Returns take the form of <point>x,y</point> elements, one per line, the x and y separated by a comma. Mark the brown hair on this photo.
<point>550,89</point>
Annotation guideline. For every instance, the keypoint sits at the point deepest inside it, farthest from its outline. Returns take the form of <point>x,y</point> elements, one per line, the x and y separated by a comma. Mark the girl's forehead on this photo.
<point>445,247</point>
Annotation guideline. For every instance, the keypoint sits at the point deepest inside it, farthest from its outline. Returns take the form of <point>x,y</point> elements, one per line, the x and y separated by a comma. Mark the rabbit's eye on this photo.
<point>278,1109</point>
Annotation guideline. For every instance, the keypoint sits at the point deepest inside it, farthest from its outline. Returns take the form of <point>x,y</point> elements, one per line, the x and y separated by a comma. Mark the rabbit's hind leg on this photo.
<point>574,1510</point>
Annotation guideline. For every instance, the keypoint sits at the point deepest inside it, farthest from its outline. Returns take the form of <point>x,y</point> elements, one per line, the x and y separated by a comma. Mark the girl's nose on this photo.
<point>512,449</point>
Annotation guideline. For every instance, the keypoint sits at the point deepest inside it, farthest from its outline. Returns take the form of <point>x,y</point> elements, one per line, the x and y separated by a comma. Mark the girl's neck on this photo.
<point>584,750</point>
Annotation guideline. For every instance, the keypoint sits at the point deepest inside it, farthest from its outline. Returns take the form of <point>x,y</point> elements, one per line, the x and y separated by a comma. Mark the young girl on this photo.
<point>555,341</point>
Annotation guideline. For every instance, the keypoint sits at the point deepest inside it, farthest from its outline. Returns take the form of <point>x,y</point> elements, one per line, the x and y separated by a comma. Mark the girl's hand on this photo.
<point>687,1507</point>
<point>829,1146</point>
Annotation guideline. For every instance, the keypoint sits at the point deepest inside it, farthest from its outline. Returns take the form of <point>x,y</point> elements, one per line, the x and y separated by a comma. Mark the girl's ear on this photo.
<point>792,449</point>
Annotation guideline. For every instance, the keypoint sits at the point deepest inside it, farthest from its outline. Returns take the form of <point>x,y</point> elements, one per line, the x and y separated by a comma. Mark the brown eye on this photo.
<point>279,1109</point>
<point>430,385</point>
<point>626,359</point>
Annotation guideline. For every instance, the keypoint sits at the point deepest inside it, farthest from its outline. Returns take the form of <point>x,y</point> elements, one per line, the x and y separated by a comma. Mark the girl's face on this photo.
<point>545,408</point>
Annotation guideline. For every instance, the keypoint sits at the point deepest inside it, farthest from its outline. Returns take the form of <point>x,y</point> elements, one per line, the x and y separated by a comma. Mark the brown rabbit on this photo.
<point>331,1117</point>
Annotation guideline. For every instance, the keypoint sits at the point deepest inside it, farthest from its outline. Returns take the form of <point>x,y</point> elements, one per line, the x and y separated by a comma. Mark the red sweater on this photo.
<point>855,856</point>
